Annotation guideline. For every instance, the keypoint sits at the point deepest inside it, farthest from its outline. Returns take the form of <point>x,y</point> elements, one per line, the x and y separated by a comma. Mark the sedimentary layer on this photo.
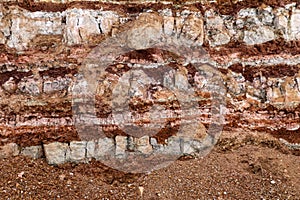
<point>254,47</point>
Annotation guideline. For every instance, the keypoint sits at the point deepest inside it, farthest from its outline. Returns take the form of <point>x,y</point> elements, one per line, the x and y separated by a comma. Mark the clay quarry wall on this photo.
<point>254,46</point>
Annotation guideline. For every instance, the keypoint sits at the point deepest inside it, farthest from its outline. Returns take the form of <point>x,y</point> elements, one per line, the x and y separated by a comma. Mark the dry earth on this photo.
<point>247,168</point>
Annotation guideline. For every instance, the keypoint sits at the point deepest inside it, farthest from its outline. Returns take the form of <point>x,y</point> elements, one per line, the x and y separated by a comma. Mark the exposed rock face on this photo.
<point>56,153</point>
<point>43,49</point>
<point>10,149</point>
<point>33,151</point>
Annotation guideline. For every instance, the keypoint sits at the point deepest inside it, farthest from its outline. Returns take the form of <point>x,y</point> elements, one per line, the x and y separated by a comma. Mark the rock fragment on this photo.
<point>8,150</point>
<point>76,151</point>
<point>33,151</point>
<point>56,152</point>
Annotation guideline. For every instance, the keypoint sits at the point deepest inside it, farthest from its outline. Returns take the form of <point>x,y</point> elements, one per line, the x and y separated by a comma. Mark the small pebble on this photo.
<point>62,177</point>
<point>20,175</point>
<point>141,190</point>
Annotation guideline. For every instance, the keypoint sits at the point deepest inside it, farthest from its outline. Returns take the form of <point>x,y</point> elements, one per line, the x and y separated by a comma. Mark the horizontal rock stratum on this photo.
<point>44,45</point>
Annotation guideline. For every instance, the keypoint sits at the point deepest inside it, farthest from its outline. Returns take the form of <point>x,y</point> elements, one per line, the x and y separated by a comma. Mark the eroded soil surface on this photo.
<point>233,170</point>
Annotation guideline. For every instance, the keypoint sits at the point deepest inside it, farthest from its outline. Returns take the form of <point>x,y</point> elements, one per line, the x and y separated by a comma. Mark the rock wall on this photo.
<point>43,45</point>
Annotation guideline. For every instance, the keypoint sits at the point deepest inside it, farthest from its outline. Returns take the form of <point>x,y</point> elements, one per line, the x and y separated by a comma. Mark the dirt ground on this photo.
<point>247,169</point>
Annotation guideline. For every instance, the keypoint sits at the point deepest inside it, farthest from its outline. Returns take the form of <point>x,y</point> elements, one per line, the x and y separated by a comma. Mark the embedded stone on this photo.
<point>131,144</point>
<point>146,31</point>
<point>169,25</point>
<point>80,26</point>
<point>30,86</point>
<point>26,25</point>
<point>281,22</point>
<point>266,16</point>
<point>143,145</point>
<point>33,151</point>
<point>10,85</point>
<point>295,25</point>
<point>201,148</point>
<point>258,35</point>
<point>173,146</point>
<point>121,146</point>
<point>8,150</point>
<point>247,12</point>
<point>56,153</point>
<point>76,151</point>
<point>193,28</point>
<point>155,146</point>
<point>105,148</point>
<point>58,84</point>
<point>90,149</point>
<point>217,33</point>
<point>153,141</point>
<point>192,129</point>
<point>187,148</point>
<point>107,20</point>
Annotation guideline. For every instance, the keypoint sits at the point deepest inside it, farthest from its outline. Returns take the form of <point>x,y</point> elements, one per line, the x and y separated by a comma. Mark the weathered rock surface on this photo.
<point>33,151</point>
<point>56,152</point>
<point>121,146</point>
<point>143,145</point>
<point>43,48</point>
<point>9,150</point>
<point>105,147</point>
<point>76,151</point>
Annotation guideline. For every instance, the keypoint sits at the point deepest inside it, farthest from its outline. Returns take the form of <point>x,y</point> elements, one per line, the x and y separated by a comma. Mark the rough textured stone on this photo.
<point>30,86</point>
<point>8,150</point>
<point>258,35</point>
<point>169,25</point>
<point>143,145</point>
<point>153,141</point>
<point>76,151</point>
<point>219,39</point>
<point>187,148</point>
<point>81,24</point>
<point>146,32</point>
<point>91,149</point>
<point>10,85</point>
<point>105,147</point>
<point>108,20</point>
<point>173,146</point>
<point>266,15</point>
<point>192,129</point>
<point>131,144</point>
<point>2,38</point>
<point>121,146</point>
<point>33,151</point>
<point>26,25</point>
<point>203,146</point>
<point>58,84</point>
<point>56,153</point>
<point>295,25</point>
<point>283,92</point>
<point>281,22</point>
<point>193,27</point>
<point>256,25</point>
<point>217,33</point>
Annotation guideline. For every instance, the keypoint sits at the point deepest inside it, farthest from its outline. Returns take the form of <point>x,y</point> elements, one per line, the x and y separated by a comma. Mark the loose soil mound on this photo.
<point>246,171</point>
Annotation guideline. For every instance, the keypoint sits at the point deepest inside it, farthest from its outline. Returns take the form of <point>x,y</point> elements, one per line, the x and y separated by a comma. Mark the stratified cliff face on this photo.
<point>253,46</point>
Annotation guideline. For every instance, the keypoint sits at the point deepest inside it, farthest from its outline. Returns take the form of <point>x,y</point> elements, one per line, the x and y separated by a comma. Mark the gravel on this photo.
<point>246,172</point>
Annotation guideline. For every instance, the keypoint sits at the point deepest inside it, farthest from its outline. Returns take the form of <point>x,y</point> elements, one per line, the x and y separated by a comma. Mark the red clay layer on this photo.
<point>274,47</point>
<point>226,7</point>
<point>274,71</point>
